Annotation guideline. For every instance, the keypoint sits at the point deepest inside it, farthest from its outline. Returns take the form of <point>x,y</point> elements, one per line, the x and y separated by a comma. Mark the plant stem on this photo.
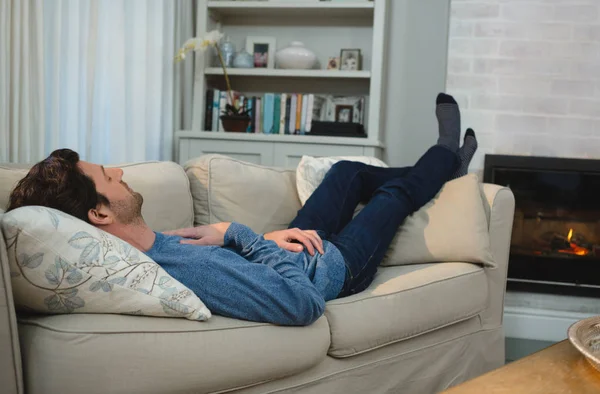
<point>226,76</point>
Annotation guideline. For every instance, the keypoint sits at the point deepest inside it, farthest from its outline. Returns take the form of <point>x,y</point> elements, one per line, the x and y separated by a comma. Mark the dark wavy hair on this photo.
<point>58,183</point>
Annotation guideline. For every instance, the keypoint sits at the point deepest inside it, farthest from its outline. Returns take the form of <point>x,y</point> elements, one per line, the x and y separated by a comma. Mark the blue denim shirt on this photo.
<point>251,278</point>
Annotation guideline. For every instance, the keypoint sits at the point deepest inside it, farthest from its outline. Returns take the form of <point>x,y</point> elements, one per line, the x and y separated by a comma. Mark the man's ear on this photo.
<point>100,216</point>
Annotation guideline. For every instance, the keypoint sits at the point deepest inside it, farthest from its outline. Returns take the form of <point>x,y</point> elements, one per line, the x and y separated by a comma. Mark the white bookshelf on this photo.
<point>325,28</point>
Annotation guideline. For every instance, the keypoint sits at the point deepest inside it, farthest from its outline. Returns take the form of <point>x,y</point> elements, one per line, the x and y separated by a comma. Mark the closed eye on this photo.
<point>105,174</point>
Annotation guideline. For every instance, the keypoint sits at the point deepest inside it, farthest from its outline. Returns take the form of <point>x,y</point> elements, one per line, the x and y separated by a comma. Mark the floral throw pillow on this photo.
<point>311,171</point>
<point>60,264</point>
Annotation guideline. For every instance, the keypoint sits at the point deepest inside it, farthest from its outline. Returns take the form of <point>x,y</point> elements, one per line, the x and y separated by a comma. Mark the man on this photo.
<point>284,277</point>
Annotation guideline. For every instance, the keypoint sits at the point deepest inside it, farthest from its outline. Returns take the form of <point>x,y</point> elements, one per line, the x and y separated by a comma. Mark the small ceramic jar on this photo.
<point>243,60</point>
<point>296,56</point>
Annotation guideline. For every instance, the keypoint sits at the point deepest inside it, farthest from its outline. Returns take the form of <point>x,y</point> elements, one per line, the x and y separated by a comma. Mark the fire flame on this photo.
<point>570,235</point>
<point>574,248</point>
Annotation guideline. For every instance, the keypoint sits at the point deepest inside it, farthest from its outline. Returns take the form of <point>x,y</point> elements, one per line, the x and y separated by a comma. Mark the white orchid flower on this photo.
<point>212,38</point>
<point>190,43</point>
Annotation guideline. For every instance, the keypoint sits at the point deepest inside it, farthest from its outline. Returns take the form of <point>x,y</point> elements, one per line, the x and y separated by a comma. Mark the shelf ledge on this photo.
<point>275,8</point>
<point>299,139</point>
<point>281,73</point>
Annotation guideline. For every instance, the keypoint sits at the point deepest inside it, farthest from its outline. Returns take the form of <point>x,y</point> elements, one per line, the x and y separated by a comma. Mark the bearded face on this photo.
<point>129,209</point>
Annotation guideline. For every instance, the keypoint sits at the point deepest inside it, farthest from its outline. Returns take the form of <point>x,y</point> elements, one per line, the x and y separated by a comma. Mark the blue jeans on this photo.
<point>391,195</point>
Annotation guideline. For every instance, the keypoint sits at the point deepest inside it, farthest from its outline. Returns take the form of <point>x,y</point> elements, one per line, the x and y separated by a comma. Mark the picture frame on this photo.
<point>333,63</point>
<point>350,60</point>
<point>262,50</point>
<point>344,113</point>
<point>331,109</point>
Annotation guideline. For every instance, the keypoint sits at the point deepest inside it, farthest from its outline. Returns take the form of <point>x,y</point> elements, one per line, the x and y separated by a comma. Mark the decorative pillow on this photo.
<point>60,264</point>
<point>451,227</point>
<point>311,171</point>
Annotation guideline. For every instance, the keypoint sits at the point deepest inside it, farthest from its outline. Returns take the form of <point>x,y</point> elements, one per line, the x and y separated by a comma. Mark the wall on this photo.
<point>417,50</point>
<point>527,74</point>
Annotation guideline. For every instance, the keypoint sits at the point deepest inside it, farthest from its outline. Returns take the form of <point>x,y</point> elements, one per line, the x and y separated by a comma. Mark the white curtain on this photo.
<point>185,23</point>
<point>107,83</point>
<point>21,81</point>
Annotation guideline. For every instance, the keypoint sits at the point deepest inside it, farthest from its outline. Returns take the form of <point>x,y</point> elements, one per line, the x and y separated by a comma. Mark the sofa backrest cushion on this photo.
<point>164,186</point>
<point>226,189</point>
<point>10,175</point>
<point>60,264</point>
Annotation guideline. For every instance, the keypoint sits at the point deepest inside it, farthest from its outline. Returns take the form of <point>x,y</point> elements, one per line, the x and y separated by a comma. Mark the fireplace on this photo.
<point>555,245</point>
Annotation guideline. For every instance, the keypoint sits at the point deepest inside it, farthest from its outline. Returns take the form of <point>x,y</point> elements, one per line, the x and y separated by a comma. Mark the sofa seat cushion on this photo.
<point>404,302</point>
<point>131,354</point>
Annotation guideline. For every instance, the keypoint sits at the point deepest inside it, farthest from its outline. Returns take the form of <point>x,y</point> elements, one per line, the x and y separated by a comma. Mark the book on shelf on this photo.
<point>258,117</point>
<point>250,107</point>
<point>268,113</point>
<point>303,114</point>
<point>282,106</point>
<point>215,111</point>
<point>298,113</point>
<point>284,113</point>
<point>309,112</point>
<point>288,112</point>
<point>208,109</point>
<point>292,122</point>
<point>222,104</point>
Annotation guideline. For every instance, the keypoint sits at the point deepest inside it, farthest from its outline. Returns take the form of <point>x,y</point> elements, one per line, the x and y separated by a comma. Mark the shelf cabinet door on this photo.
<point>289,155</point>
<point>250,151</point>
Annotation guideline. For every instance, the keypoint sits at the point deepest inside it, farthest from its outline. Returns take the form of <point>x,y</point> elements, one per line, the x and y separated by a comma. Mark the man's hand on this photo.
<point>285,240</point>
<point>209,235</point>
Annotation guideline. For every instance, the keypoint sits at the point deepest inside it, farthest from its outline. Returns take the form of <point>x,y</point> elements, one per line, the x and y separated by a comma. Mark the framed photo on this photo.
<point>350,59</point>
<point>343,109</point>
<point>333,63</point>
<point>344,113</point>
<point>262,50</point>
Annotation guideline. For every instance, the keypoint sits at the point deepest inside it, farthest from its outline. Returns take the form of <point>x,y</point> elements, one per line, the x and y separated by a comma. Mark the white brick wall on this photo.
<point>527,75</point>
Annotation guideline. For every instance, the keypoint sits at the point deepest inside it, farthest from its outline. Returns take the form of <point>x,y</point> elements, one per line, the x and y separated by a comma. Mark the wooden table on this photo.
<point>559,369</point>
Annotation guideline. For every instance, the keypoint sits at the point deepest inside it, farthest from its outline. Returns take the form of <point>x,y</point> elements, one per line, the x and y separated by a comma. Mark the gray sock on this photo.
<point>466,153</point>
<point>448,116</point>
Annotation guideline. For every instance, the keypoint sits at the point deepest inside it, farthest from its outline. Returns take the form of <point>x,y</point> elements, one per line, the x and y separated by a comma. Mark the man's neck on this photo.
<point>137,234</point>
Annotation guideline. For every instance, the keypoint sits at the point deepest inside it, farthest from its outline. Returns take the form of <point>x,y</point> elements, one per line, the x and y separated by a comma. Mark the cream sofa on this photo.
<point>417,329</point>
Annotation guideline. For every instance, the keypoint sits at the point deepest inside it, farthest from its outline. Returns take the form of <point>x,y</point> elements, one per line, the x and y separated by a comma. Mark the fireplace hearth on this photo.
<point>555,245</point>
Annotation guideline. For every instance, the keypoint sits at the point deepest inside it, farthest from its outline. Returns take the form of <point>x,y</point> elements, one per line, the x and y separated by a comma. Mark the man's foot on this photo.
<point>448,116</point>
<point>466,153</point>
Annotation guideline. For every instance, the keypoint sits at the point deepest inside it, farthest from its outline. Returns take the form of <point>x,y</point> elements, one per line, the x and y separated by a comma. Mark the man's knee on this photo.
<point>347,167</point>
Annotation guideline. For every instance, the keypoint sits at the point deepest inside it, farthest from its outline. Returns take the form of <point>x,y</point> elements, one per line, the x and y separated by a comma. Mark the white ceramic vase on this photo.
<point>296,56</point>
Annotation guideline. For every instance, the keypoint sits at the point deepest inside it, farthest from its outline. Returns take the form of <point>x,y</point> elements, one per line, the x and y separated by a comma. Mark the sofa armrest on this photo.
<point>11,374</point>
<point>499,204</point>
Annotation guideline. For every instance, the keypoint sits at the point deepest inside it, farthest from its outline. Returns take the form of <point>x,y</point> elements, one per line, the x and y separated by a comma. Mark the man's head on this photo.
<point>87,191</point>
